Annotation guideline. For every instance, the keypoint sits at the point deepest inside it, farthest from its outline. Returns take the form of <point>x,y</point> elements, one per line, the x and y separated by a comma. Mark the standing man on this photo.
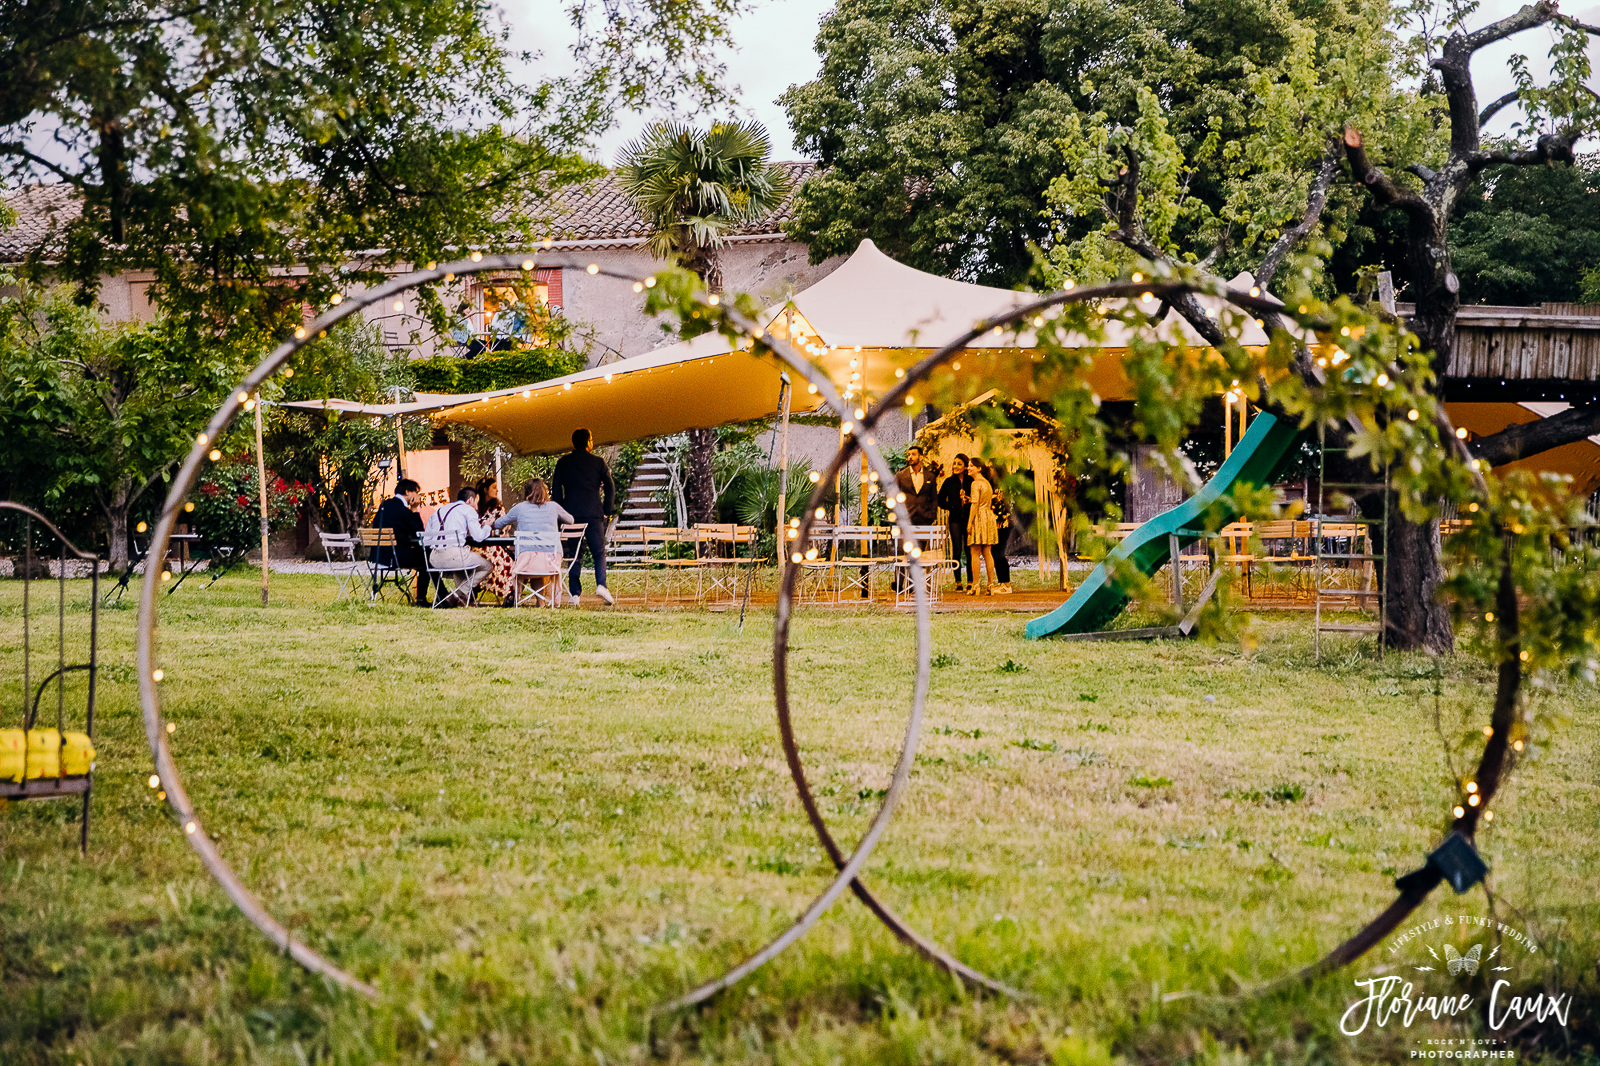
<point>920,486</point>
<point>398,513</point>
<point>582,484</point>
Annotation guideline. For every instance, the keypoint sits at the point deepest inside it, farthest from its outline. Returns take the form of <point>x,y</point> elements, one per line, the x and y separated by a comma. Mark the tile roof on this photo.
<point>595,211</point>
<point>600,210</point>
<point>40,209</point>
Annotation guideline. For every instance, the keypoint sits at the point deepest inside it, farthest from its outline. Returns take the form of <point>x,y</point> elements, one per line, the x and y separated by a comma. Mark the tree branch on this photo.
<point>1383,187</point>
<point>1525,18</point>
<point>17,148</point>
<point>1489,112</point>
<point>1541,435</point>
<point>1550,148</point>
<point>1315,202</point>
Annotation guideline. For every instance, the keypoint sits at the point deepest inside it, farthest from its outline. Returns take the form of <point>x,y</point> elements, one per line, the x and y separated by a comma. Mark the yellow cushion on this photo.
<point>44,753</point>
<point>11,743</point>
<point>77,754</point>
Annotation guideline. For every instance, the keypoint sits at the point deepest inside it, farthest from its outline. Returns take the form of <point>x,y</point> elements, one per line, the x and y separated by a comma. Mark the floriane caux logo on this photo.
<point>1445,980</point>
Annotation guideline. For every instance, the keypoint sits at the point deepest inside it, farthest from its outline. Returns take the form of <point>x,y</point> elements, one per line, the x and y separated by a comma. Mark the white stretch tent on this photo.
<point>868,319</point>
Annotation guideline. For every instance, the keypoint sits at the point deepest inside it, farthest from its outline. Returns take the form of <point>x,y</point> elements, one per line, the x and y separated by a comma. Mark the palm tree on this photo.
<point>694,187</point>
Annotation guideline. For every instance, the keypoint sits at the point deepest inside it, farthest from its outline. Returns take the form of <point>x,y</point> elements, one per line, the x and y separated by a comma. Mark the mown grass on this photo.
<point>527,828</point>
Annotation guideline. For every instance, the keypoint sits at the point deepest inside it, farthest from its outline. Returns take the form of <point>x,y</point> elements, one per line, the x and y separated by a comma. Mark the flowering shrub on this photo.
<point>227,507</point>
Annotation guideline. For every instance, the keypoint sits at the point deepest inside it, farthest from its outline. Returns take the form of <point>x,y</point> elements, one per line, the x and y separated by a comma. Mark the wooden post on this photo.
<point>261,474</point>
<point>1227,425</point>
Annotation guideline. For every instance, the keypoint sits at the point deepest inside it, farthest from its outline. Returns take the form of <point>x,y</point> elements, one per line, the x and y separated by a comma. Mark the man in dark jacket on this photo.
<point>920,485</point>
<point>398,513</point>
<point>582,484</point>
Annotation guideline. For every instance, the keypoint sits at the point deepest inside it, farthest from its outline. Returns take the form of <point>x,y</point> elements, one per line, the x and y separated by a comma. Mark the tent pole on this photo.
<point>261,475</point>
<point>783,461</point>
<point>499,489</point>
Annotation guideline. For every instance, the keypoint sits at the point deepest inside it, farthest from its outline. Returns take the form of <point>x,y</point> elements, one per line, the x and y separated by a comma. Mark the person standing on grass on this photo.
<point>399,513</point>
<point>921,487</point>
<point>954,498</point>
<point>582,485</point>
<point>1002,521</point>
<point>981,533</point>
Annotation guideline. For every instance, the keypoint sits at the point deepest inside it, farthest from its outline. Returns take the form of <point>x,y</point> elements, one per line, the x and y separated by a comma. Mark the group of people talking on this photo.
<point>978,516</point>
<point>580,491</point>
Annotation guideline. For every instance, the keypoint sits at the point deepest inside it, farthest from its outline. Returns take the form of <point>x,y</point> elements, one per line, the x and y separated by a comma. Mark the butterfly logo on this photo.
<point>1457,962</point>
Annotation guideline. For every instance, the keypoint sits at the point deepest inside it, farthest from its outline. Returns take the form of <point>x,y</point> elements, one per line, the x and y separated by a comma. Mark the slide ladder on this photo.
<point>1256,460</point>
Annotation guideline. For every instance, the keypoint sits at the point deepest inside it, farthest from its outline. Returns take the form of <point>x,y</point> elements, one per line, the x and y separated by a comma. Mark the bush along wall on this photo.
<point>500,370</point>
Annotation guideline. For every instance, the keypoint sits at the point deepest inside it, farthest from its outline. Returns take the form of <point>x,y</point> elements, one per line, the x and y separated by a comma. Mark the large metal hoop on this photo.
<point>862,436</point>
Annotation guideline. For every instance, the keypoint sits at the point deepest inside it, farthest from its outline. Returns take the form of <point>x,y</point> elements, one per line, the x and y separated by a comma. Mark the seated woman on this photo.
<point>537,513</point>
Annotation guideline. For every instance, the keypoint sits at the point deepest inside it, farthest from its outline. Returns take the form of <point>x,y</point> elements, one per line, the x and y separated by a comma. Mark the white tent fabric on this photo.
<point>862,323</point>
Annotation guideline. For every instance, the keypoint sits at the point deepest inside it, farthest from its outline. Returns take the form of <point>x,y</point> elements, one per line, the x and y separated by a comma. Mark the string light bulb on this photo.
<point>157,675</point>
<point>821,513</point>
<point>172,727</point>
<point>338,298</point>
<point>300,334</point>
<point>1474,799</point>
<point>1458,810</point>
<point>713,299</point>
<point>593,268</point>
<point>141,527</point>
<point>155,782</point>
<point>1516,745</point>
<point>1461,433</point>
<point>1488,815</point>
<point>1472,786</point>
<point>190,827</point>
<point>477,257</point>
<point>1413,414</point>
<point>1383,379</point>
<point>433,264</point>
<point>650,282</point>
<point>815,477</point>
<point>638,286</point>
<point>527,264</point>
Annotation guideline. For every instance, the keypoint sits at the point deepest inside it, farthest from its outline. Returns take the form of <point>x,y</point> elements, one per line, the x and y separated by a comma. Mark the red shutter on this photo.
<point>552,278</point>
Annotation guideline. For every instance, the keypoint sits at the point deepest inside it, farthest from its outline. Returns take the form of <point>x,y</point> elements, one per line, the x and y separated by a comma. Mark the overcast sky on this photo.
<point>775,50</point>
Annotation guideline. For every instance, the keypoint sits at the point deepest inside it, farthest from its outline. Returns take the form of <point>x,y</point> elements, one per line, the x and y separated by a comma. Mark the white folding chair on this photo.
<point>538,559</point>
<point>571,541</point>
<point>933,546</point>
<point>340,549</point>
<point>437,540</point>
<point>815,580</point>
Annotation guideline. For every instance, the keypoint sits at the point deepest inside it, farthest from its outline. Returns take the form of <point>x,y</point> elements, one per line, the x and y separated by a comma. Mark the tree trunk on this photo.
<point>1417,620</point>
<point>116,510</point>
<point>1416,617</point>
<point>702,487</point>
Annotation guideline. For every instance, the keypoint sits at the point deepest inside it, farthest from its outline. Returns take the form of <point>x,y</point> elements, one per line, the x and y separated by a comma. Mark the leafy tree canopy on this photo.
<point>216,142</point>
<point>941,126</point>
<point>1528,234</point>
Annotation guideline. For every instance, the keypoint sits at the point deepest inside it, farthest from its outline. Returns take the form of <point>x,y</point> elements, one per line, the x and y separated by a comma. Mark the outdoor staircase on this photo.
<point>641,507</point>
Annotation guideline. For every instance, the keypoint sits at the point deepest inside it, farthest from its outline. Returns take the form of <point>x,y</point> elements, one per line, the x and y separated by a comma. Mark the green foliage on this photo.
<point>941,126</point>
<point>1528,235</point>
<point>227,502</point>
<point>216,142</point>
<point>337,455</point>
<point>490,371</point>
<point>100,412</point>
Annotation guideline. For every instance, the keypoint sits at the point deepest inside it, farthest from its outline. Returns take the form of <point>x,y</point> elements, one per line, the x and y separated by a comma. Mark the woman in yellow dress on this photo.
<point>982,531</point>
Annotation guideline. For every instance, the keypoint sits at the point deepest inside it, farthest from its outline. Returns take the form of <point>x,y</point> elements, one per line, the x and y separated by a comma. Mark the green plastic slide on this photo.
<point>1256,460</point>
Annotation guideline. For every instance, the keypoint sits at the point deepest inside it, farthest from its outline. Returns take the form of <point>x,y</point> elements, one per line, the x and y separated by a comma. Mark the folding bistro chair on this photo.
<point>437,540</point>
<point>571,540</point>
<point>674,571</point>
<point>340,549</point>
<point>383,563</point>
<point>722,570</point>
<point>853,572</point>
<point>934,545</point>
<point>538,560</point>
<point>816,577</point>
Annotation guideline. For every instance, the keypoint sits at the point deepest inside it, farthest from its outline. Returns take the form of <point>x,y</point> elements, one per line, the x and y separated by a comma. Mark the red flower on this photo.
<point>209,488</point>
<point>244,501</point>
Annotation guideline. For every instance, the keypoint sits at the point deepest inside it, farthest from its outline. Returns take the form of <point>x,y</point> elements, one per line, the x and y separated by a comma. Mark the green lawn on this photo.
<point>525,828</point>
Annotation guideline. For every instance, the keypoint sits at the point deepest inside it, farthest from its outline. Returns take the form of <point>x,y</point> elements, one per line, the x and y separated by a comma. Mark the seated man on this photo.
<point>459,521</point>
<point>398,513</point>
